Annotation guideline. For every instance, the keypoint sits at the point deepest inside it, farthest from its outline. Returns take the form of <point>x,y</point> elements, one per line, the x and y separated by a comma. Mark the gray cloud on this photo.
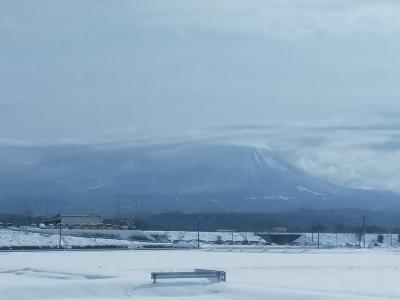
<point>392,144</point>
<point>80,71</point>
<point>315,80</point>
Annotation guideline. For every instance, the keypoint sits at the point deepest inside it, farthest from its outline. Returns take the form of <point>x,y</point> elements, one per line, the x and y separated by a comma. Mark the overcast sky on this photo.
<point>323,74</point>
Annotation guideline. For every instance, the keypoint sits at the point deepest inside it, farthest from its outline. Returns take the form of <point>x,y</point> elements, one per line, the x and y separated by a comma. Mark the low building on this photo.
<point>73,220</point>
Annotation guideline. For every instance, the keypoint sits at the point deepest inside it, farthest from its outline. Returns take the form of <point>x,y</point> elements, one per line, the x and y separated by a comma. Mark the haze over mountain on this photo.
<point>120,178</point>
<point>315,79</point>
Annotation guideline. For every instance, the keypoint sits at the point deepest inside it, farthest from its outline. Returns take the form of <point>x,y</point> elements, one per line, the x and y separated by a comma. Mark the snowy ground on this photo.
<point>347,274</point>
<point>17,238</point>
<point>22,238</point>
<point>208,240</point>
<point>130,235</point>
<point>306,239</point>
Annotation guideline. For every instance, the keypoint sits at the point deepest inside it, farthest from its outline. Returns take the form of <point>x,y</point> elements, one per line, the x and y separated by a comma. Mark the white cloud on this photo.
<point>290,17</point>
<point>365,156</point>
<point>352,167</point>
<point>356,159</point>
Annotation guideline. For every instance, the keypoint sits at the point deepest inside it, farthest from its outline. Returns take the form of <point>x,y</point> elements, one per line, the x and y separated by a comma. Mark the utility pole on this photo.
<point>27,216</point>
<point>198,233</point>
<point>318,228</point>
<point>26,223</point>
<point>363,229</point>
<point>59,241</point>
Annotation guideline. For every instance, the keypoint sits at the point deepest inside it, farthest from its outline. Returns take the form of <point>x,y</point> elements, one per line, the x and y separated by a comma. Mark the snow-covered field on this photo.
<point>21,238</point>
<point>306,239</point>
<point>275,274</point>
<point>9,238</point>
<point>130,235</point>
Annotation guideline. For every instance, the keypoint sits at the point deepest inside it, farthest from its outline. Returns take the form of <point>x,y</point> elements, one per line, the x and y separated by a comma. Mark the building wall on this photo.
<point>72,220</point>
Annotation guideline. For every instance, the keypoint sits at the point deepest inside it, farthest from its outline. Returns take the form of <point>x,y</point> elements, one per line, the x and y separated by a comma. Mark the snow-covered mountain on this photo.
<point>185,177</point>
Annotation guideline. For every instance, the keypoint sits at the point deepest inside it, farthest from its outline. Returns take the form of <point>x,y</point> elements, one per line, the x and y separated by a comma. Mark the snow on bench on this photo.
<point>198,273</point>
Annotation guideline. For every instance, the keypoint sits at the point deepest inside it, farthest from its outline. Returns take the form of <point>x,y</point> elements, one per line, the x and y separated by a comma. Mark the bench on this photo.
<point>198,273</point>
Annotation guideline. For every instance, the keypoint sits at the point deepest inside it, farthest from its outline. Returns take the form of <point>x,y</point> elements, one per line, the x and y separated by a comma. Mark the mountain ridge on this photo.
<point>181,177</point>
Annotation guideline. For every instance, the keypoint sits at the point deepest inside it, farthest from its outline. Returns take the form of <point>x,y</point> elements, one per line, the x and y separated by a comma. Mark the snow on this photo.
<point>14,238</point>
<point>98,186</point>
<point>327,240</point>
<point>270,197</point>
<point>100,233</point>
<point>253,271</point>
<point>208,239</point>
<point>350,274</point>
<point>263,157</point>
<point>22,238</point>
<point>304,189</point>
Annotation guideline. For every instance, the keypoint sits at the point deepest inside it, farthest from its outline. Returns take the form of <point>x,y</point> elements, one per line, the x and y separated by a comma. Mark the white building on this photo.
<point>71,220</point>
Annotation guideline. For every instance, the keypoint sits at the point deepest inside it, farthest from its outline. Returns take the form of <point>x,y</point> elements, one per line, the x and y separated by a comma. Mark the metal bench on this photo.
<point>198,273</point>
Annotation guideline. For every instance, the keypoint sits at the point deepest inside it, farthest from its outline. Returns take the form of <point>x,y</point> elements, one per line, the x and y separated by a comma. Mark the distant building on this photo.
<point>72,220</point>
<point>279,229</point>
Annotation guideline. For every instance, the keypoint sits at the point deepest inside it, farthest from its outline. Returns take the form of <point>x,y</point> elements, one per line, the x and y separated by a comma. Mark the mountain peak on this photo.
<point>169,177</point>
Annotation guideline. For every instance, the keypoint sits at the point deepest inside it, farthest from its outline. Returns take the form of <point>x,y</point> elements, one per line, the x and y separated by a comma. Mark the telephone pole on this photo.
<point>198,233</point>
<point>363,229</point>
<point>59,241</point>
